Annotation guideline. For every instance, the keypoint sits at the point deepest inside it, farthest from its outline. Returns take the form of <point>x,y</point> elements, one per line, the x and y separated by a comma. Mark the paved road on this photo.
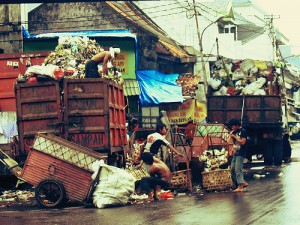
<point>273,199</point>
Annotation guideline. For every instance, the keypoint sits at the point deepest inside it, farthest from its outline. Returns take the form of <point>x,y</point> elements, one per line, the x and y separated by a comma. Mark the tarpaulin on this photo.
<point>157,87</point>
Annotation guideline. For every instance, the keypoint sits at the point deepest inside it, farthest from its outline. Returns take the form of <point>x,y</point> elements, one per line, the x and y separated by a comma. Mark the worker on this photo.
<point>160,177</point>
<point>91,66</point>
<point>156,140</point>
<point>239,136</point>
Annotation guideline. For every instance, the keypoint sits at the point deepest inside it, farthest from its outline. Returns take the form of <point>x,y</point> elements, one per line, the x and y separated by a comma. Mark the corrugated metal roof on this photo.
<point>177,52</point>
<point>131,88</point>
<point>131,12</point>
<point>217,7</point>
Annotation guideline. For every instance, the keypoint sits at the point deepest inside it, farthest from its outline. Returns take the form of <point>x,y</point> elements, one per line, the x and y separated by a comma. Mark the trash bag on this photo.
<point>251,88</point>
<point>115,185</point>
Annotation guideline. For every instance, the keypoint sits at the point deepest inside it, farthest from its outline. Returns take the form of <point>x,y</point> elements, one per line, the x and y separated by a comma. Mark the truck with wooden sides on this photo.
<point>261,116</point>
<point>89,112</point>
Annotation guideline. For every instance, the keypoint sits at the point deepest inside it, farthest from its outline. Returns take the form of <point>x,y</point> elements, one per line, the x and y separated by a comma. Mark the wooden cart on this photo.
<point>60,170</point>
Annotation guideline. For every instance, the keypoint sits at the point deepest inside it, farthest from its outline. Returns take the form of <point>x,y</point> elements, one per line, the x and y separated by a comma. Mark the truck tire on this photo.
<point>268,152</point>
<point>277,152</point>
<point>50,193</point>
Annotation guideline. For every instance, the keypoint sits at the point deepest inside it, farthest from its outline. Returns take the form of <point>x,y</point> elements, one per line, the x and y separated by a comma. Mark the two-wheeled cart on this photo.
<point>60,170</point>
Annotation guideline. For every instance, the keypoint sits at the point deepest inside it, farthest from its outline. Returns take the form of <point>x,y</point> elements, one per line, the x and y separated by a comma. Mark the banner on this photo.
<point>188,110</point>
<point>121,62</point>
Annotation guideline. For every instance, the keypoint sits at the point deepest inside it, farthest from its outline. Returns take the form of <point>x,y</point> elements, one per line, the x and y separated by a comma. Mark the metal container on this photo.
<point>38,110</point>
<point>95,110</point>
<point>89,112</point>
<point>261,110</point>
<point>12,65</point>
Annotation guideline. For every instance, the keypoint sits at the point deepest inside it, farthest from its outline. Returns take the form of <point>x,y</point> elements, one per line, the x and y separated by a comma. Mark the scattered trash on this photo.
<point>257,176</point>
<point>280,174</point>
<point>16,196</point>
<point>257,168</point>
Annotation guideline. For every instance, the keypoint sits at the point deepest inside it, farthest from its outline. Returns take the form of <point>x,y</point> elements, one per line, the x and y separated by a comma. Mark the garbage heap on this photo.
<point>189,83</point>
<point>214,159</point>
<point>67,60</point>
<point>244,77</point>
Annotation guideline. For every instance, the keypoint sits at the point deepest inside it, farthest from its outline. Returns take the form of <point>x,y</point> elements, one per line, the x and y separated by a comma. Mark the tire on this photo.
<point>50,193</point>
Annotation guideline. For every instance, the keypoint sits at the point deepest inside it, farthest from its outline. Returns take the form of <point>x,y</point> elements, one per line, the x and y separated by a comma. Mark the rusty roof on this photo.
<point>134,14</point>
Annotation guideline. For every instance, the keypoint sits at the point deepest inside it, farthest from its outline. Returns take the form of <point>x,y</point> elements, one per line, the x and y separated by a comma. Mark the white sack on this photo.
<point>115,185</point>
<point>47,70</point>
<point>214,83</point>
<point>251,88</point>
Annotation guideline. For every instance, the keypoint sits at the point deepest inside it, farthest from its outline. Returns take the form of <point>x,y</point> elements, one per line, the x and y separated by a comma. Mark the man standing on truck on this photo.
<point>239,136</point>
<point>91,66</point>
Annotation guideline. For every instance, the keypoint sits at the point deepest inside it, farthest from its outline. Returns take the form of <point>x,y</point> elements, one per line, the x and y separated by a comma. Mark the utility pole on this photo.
<point>201,49</point>
<point>272,33</point>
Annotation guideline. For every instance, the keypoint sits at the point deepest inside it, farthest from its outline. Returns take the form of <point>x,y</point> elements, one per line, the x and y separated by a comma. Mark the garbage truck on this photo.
<point>260,115</point>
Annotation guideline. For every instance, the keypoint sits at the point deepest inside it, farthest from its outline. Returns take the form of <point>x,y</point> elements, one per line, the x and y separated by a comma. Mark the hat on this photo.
<point>112,51</point>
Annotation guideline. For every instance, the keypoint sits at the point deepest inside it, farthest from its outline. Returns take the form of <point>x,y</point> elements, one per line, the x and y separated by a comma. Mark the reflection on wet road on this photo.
<point>272,198</point>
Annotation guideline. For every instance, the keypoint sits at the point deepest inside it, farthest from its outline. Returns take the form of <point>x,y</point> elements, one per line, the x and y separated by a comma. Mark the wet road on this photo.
<point>273,199</point>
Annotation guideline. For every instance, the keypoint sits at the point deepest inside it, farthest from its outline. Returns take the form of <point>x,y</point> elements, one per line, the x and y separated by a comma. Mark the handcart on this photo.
<point>60,170</point>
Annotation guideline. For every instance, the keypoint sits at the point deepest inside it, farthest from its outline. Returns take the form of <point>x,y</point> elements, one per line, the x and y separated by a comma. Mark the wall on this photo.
<point>10,29</point>
<point>97,16</point>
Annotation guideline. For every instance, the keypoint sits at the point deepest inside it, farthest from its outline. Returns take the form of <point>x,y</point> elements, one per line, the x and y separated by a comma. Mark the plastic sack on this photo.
<point>214,83</point>
<point>238,74</point>
<point>115,185</point>
<point>254,86</point>
<point>260,92</point>
<point>247,65</point>
<point>47,70</point>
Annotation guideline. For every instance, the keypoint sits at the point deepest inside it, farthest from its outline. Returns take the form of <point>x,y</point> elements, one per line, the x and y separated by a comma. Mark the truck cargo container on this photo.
<point>89,112</point>
<point>261,116</point>
<point>13,64</point>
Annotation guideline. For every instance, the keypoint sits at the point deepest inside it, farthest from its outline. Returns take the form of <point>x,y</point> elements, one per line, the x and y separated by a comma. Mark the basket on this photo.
<point>181,179</point>
<point>138,174</point>
<point>217,180</point>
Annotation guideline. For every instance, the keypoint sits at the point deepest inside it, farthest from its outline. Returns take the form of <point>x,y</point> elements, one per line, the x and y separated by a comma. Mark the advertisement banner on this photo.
<point>188,110</point>
<point>121,62</point>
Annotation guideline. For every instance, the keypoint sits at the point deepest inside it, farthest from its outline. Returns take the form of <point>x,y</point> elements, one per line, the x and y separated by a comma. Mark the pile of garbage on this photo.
<point>214,159</point>
<point>189,84</point>
<point>10,197</point>
<point>67,60</point>
<point>244,77</point>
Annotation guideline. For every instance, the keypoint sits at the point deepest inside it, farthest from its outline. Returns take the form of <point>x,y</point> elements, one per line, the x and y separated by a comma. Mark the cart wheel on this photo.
<point>50,193</point>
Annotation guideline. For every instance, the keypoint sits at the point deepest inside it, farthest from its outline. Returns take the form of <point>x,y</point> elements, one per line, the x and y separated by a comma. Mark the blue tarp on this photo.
<point>157,87</point>
<point>88,33</point>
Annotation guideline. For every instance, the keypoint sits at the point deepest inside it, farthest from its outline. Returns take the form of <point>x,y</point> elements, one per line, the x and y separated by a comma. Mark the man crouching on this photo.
<point>160,176</point>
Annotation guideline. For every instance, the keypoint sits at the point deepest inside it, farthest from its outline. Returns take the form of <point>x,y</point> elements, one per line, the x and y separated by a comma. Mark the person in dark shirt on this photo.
<point>91,66</point>
<point>239,136</point>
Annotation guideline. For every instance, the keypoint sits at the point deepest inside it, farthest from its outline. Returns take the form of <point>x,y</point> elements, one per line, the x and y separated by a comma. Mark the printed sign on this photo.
<point>188,110</point>
<point>121,62</point>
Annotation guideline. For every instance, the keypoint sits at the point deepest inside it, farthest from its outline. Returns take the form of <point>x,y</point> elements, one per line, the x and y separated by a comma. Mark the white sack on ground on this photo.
<point>115,185</point>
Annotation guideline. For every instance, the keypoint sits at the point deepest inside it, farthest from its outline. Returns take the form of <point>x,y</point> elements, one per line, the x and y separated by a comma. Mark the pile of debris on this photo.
<point>67,60</point>
<point>189,84</point>
<point>244,77</point>
<point>20,197</point>
<point>214,159</point>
